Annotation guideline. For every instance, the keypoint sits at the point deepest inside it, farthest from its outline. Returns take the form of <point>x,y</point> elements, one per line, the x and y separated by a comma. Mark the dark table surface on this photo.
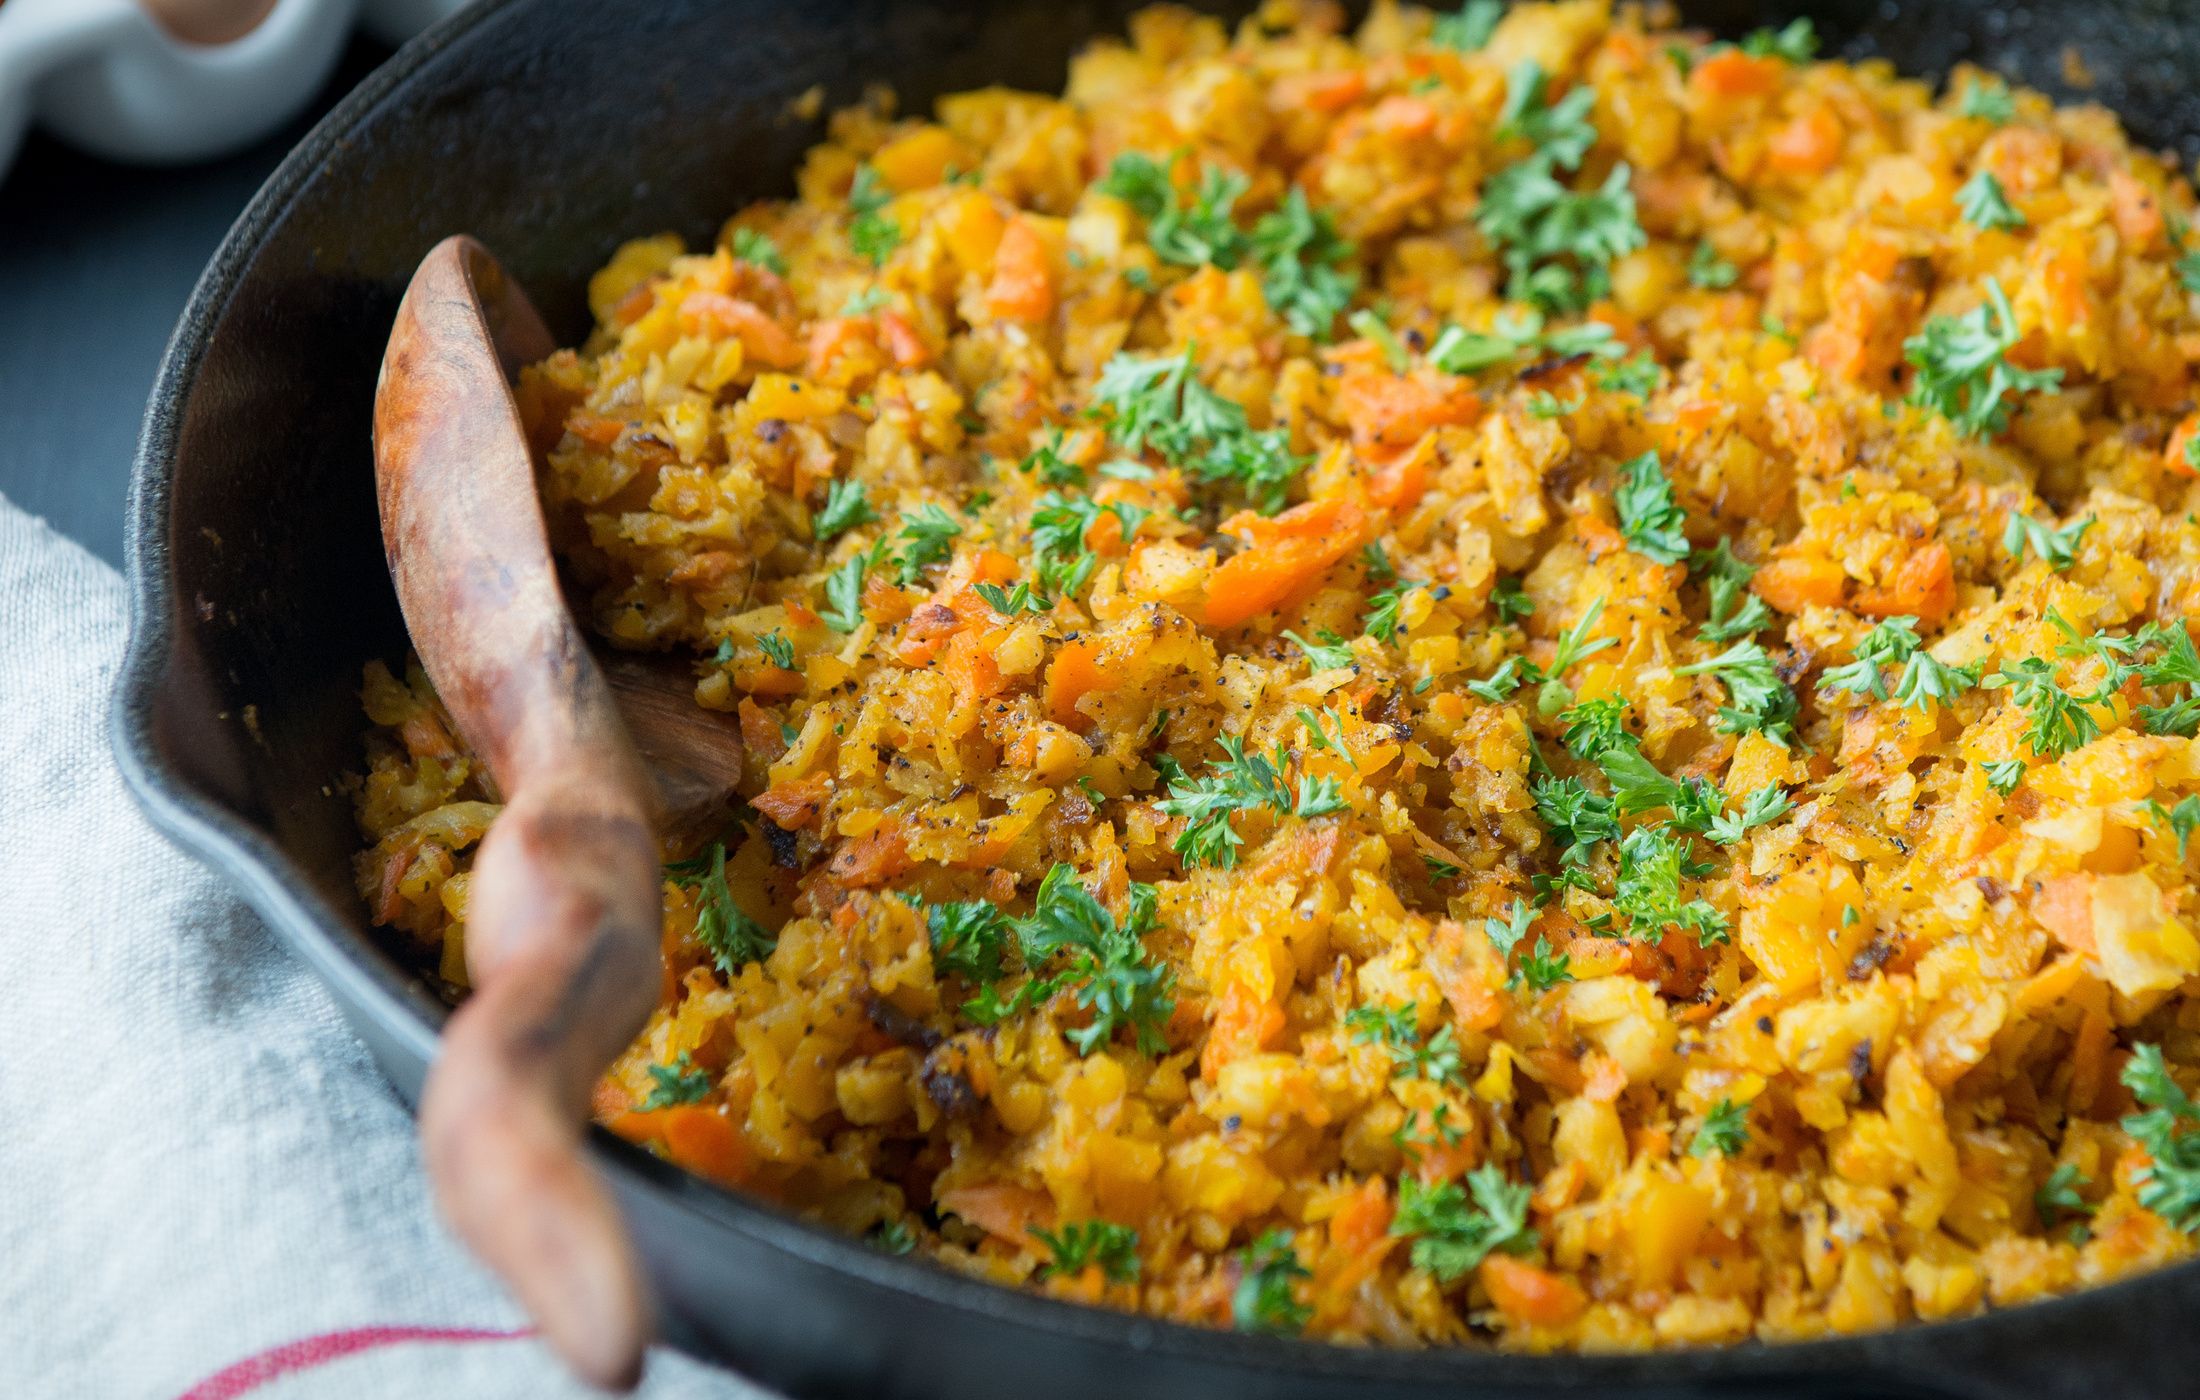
<point>96,263</point>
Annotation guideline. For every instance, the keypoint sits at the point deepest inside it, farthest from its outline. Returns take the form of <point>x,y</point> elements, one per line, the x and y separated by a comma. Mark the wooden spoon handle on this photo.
<point>564,915</point>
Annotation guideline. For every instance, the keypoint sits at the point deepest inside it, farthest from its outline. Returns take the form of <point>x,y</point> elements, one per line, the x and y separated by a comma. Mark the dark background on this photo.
<point>96,263</point>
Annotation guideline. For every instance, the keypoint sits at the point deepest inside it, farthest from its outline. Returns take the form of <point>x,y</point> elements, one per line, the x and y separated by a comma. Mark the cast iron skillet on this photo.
<point>553,130</point>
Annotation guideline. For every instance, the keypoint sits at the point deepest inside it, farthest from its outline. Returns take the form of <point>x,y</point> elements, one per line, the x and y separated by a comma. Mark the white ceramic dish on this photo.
<point>102,75</point>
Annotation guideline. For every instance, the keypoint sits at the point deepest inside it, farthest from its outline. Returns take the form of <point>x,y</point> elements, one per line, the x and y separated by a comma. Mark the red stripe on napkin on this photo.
<point>308,1352</point>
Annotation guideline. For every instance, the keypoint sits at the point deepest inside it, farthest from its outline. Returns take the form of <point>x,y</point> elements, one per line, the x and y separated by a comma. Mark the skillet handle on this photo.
<point>565,910</point>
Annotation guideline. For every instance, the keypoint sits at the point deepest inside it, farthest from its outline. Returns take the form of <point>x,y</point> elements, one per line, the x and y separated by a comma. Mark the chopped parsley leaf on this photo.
<point>1453,1230</point>
<point>1890,643</point>
<point>675,1084</point>
<point>1558,243</point>
<point>2058,1195</point>
<point>1594,726</point>
<point>777,650</point>
<point>1239,782</point>
<point>1511,601</point>
<point>2058,547</point>
<point>871,233</point>
<point>1708,270</point>
<point>1298,251</point>
<point>967,939</point>
<point>1724,1130</point>
<point>1008,602</point>
<point>1648,515</point>
<point>1329,654</point>
<point>721,926</point>
<point>1505,934</point>
<point>1962,370</point>
<point>2182,819</point>
<point>1637,374</point>
<point>756,248</point>
<point>1767,804</point>
<point>844,589</point>
<point>927,537</point>
<point>1796,41</point>
<point>1263,1300</point>
<point>1734,611</point>
<point>1988,100</point>
<point>847,505</point>
<point>2169,1130</point>
<point>1757,699</point>
<point>1053,470</point>
<point>1375,328</point>
<point>1470,29</point>
<point>1986,205</point>
<point>1653,861</point>
<point>1082,1244</point>
<point>1539,971</point>
<point>2061,723</point>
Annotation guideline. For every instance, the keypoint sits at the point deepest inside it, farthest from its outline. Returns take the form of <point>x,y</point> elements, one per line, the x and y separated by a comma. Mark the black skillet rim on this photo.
<point>259,870</point>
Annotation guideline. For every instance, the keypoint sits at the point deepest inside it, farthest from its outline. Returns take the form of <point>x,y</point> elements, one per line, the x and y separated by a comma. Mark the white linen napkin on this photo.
<point>206,1187</point>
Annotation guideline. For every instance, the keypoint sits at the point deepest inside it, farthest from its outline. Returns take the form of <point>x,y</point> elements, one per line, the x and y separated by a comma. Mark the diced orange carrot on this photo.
<point>1731,73</point>
<point>2089,1057</point>
<point>1529,1294</point>
<point>2178,455</point>
<point>795,803</point>
<point>927,631</point>
<point>595,429</point>
<point>991,566</point>
<point>1809,143</point>
<point>1243,1025</point>
<point>1602,1078</point>
<point>715,313</point>
<point>1023,287</point>
<point>1289,554</point>
<point>759,677</point>
<point>1002,1211</point>
<point>1922,586</point>
<point>1073,674</point>
<point>1327,93</point>
<point>971,667</point>
<point>635,304</point>
<point>1404,479</point>
<point>760,732</point>
<point>1562,1185</point>
<point>872,858</point>
<point>2069,291</point>
<point>902,341</point>
<point>1792,585</point>
<point>2138,214</point>
<point>2024,158</point>
<point>2064,907</point>
<point>1362,1220</point>
<point>1403,117</point>
<point>1598,535</point>
<point>696,1136</point>
<point>1390,410</point>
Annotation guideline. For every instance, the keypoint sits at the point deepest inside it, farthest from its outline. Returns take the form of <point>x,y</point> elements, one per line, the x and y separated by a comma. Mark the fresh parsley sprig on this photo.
<point>1081,1244</point>
<point>1724,1130</point>
<point>2169,1130</point>
<point>1454,1229</point>
<point>1264,1300</point>
<point>1963,371</point>
<point>721,926</point>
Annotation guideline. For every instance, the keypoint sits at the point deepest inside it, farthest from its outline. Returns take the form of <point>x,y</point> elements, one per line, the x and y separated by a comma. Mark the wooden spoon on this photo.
<point>594,762</point>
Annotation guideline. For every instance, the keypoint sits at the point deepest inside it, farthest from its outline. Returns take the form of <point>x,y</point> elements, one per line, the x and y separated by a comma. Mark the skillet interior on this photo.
<point>554,129</point>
